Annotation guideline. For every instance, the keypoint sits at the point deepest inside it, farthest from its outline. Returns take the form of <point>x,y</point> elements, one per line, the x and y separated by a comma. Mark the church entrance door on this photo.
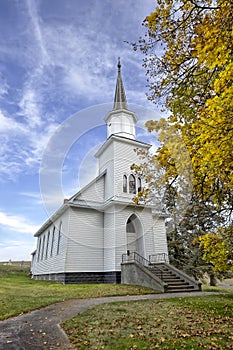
<point>134,234</point>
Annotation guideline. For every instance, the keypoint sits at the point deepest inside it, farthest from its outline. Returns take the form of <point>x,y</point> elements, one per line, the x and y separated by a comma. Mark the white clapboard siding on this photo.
<point>109,181</point>
<point>92,240</point>
<point>94,192</point>
<point>106,155</point>
<point>160,237</point>
<point>106,163</point>
<point>122,215</point>
<point>124,157</point>
<point>109,239</point>
<point>85,241</point>
<point>52,260</point>
<point>148,236</point>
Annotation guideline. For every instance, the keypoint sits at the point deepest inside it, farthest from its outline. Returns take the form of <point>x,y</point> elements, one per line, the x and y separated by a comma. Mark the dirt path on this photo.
<point>40,329</point>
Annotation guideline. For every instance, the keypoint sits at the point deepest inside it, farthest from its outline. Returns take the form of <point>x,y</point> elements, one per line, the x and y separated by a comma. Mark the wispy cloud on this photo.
<point>66,66</point>
<point>12,250</point>
<point>35,22</point>
<point>17,223</point>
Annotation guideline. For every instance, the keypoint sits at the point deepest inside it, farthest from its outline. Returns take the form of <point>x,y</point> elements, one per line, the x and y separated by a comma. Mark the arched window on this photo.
<point>59,239</point>
<point>47,246</point>
<point>132,184</point>
<point>130,225</point>
<point>52,242</point>
<point>42,250</point>
<point>125,189</point>
<point>139,184</point>
<point>39,246</point>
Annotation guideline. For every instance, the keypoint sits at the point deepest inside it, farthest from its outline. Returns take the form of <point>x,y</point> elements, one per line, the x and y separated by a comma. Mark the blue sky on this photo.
<point>58,69</point>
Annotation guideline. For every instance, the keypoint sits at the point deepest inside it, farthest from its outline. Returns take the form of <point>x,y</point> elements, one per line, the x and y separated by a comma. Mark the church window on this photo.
<point>125,189</point>
<point>47,246</point>
<point>42,250</point>
<point>132,184</point>
<point>59,239</point>
<point>52,243</point>
<point>39,245</point>
<point>130,225</point>
<point>139,184</point>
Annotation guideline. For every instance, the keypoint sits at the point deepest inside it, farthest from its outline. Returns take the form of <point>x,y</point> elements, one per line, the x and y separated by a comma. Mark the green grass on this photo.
<point>19,293</point>
<point>178,323</point>
<point>171,324</point>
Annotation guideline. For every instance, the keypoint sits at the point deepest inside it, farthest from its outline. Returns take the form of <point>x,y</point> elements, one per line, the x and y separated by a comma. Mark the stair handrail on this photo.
<point>159,257</point>
<point>164,257</point>
<point>134,256</point>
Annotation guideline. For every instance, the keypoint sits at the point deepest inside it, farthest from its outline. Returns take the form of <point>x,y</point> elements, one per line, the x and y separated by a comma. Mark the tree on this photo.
<point>188,51</point>
<point>218,249</point>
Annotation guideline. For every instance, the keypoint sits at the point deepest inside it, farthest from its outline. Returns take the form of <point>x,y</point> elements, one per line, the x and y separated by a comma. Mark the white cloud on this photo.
<point>17,223</point>
<point>30,108</point>
<point>35,21</point>
<point>4,87</point>
<point>71,58</point>
<point>17,250</point>
<point>22,146</point>
<point>8,124</point>
<point>35,196</point>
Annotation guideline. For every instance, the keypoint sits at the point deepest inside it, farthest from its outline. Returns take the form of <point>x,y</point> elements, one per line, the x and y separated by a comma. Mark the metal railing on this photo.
<point>158,258</point>
<point>163,257</point>
<point>134,256</point>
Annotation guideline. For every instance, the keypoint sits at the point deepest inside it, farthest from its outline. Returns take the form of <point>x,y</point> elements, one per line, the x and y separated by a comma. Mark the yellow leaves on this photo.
<point>193,72</point>
<point>213,40</point>
<point>216,251</point>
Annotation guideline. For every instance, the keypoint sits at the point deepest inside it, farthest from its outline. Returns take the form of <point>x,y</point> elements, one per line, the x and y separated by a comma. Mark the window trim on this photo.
<point>52,242</point>
<point>59,238</point>
<point>47,246</point>
<point>127,186</point>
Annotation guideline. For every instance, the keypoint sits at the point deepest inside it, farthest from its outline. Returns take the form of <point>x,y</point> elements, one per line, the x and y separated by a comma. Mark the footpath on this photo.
<point>40,329</point>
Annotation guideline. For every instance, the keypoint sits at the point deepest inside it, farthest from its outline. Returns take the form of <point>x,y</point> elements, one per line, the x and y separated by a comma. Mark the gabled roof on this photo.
<point>85,188</point>
<point>67,203</point>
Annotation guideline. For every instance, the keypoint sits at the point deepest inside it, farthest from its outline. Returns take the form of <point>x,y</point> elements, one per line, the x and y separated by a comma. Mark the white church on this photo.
<point>85,239</point>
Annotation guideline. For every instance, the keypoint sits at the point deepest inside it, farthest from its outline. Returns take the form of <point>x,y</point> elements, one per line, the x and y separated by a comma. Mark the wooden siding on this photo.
<point>124,157</point>
<point>160,237</point>
<point>153,232</point>
<point>122,216</point>
<point>94,241</point>
<point>117,159</point>
<point>109,239</point>
<point>85,241</point>
<point>47,261</point>
<point>95,192</point>
<point>106,157</point>
<point>106,162</point>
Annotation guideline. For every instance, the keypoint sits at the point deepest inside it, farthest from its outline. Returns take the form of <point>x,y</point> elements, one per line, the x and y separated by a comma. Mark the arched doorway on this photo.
<point>134,235</point>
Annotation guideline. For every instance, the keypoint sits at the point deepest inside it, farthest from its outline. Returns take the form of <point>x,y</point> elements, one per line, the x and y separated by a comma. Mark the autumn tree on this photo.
<point>188,50</point>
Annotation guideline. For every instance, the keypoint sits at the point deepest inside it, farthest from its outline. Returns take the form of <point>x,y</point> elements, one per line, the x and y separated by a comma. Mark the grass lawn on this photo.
<point>19,293</point>
<point>179,323</point>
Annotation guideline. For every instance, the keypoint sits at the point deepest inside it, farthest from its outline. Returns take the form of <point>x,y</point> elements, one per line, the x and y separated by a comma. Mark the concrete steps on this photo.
<point>175,281</point>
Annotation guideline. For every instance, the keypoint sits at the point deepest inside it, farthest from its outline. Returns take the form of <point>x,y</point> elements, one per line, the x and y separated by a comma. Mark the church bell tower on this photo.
<point>120,121</point>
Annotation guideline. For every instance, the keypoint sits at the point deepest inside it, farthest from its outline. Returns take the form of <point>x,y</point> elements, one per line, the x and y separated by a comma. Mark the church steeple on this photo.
<point>120,120</point>
<point>120,101</point>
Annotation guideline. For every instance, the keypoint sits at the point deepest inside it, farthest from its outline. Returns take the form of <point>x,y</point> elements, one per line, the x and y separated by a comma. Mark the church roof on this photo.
<point>120,101</point>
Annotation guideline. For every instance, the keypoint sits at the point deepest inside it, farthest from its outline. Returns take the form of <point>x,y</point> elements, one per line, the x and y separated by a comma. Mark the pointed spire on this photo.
<point>120,101</point>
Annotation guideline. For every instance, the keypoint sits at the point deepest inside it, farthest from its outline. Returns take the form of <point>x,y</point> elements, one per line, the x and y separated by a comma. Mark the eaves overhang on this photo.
<point>52,219</point>
<point>122,139</point>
